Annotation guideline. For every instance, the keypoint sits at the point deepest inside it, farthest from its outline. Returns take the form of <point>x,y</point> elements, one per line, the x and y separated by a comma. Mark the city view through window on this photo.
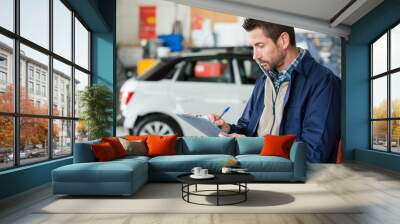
<point>385,94</point>
<point>38,118</point>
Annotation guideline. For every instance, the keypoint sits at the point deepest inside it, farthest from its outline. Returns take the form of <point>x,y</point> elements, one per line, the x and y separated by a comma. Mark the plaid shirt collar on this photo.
<point>278,78</point>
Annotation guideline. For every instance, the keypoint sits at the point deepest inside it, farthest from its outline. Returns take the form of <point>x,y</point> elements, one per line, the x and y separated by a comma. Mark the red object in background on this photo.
<point>339,153</point>
<point>125,97</point>
<point>207,70</point>
<point>147,22</point>
<point>197,22</point>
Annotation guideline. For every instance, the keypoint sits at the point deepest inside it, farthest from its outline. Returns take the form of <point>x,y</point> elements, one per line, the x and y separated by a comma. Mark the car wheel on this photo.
<point>157,125</point>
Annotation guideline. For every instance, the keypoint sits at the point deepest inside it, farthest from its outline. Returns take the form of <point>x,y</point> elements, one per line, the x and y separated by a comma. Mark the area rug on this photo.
<point>167,198</point>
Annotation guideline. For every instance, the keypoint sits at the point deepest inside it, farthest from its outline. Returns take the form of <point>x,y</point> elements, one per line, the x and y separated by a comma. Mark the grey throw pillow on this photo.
<point>135,147</point>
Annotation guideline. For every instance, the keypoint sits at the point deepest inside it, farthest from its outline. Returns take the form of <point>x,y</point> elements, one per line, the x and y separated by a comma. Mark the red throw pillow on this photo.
<point>277,145</point>
<point>136,137</point>
<point>116,145</point>
<point>161,145</point>
<point>103,151</point>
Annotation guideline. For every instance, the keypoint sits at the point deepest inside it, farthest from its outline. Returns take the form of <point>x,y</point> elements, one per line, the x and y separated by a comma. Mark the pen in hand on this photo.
<point>222,114</point>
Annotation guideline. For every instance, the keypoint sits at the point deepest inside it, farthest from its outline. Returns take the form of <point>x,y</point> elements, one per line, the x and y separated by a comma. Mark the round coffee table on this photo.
<point>238,179</point>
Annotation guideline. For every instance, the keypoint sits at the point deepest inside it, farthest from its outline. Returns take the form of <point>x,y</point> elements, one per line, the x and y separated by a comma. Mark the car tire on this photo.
<point>157,125</point>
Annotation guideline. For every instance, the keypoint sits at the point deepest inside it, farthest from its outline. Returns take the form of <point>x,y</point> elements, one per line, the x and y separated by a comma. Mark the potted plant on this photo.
<point>96,104</point>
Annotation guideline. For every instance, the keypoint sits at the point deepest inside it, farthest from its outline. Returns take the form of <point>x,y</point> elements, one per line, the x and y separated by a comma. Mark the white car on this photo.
<point>196,83</point>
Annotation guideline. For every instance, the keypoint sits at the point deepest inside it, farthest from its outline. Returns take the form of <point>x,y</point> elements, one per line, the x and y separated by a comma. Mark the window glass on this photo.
<point>212,70</point>
<point>6,142</point>
<point>62,138</point>
<point>35,21</point>
<point>379,98</point>
<point>81,131</point>
<point>81,82</point>
<point>31,58</point>
<point>34,144</point>
<point>395,136</point>
<point>62,89</point>
<point>395,95</point>
<point>249,71</point>
<point>7,14</point>
<point>379,135</point>
<point>395,47</point>
<point>81,45</point>
<point>379,56</point>
<point>62,29</point>
<point>6,74</point>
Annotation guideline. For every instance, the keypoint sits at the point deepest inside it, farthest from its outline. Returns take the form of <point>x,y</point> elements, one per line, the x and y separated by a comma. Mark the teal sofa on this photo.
<point>125,176</point>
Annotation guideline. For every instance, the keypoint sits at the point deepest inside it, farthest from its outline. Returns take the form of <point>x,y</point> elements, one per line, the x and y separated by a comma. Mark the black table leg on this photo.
<point>217,194</point>
<point>245,193</point>
<point>188,190</point>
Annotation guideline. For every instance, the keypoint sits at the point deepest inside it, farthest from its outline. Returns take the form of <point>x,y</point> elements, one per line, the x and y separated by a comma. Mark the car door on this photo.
<point>206,85</point>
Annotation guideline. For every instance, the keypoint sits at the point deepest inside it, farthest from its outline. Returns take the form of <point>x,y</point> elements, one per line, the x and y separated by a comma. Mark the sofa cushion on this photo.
<point>161,145</point>
<point>116,145</point>
<point>103,152</point>
<point>257,163</point>
<point>134,147</point>
<point>185,163</point>
<point>277,145</point>
<point>112,171</point>
<point>206,145</point>
<point>131,158</point>
<point>249,145</point>
<point>136,137</point>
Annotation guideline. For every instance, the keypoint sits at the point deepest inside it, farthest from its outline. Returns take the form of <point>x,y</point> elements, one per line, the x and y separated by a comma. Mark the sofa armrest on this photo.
<point>83,152</point>
<point>298,154</point>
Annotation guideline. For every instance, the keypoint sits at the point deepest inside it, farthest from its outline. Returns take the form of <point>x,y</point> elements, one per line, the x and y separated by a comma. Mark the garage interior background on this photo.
<point>145,29</point>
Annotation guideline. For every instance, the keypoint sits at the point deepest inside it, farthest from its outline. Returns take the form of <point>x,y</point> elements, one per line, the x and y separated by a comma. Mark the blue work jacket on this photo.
<point>311,110</point>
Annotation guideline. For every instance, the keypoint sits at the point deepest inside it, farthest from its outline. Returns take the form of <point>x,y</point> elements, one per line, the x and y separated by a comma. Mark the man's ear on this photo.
<point>284,40</point>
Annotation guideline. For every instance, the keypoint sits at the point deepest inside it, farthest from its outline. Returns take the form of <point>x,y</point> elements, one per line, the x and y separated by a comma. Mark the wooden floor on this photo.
<point>377,188</point>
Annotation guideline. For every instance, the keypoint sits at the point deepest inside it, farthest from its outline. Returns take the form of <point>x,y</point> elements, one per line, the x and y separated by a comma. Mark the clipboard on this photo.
<point>201,123</point>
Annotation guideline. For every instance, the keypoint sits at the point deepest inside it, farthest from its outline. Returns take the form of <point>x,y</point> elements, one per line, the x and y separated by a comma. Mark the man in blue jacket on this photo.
<point>297,95</point>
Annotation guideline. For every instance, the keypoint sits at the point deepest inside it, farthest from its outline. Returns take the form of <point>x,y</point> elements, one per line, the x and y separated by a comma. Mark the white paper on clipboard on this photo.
<point>201,123</point>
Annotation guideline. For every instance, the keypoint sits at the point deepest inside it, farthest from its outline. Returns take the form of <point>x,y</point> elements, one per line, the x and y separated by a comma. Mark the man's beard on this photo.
<point>273,65</point>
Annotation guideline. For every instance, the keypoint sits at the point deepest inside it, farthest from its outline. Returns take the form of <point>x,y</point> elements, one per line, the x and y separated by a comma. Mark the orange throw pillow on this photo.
<point>277,145</point>
<point>136,137</point>
<point>103,152</point>
<point>116,145</point>
<point>161,145</point>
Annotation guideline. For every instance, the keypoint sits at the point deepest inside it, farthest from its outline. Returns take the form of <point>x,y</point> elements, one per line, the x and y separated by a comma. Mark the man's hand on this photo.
<point>214,118</point>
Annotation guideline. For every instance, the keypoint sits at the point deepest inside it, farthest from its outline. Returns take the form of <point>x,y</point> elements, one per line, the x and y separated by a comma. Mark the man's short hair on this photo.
<point>270,30</point>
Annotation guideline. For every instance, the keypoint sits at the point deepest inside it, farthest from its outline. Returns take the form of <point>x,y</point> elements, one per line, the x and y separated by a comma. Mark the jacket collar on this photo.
<point>305,65</point>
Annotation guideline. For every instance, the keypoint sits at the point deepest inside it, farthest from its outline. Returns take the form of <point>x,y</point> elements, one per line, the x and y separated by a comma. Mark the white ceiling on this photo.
<point>316,15</point>
<point>320,10</point>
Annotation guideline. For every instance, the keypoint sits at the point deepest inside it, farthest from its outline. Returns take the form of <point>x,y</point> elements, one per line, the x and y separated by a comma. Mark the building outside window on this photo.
<point>385,92</point>
<point>34,73</point>
<point>30,87</point>
<point>3,61</point>
<point>3,72</point>
<point>43,90</point>
<point>30,72</point>
<point>44,77</point>
<point>3,78</point>
<point>38,89</point>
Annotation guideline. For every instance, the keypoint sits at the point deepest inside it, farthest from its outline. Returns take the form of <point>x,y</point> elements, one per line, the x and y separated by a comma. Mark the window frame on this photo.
<point>388,74</point>
<point>16,114</point>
